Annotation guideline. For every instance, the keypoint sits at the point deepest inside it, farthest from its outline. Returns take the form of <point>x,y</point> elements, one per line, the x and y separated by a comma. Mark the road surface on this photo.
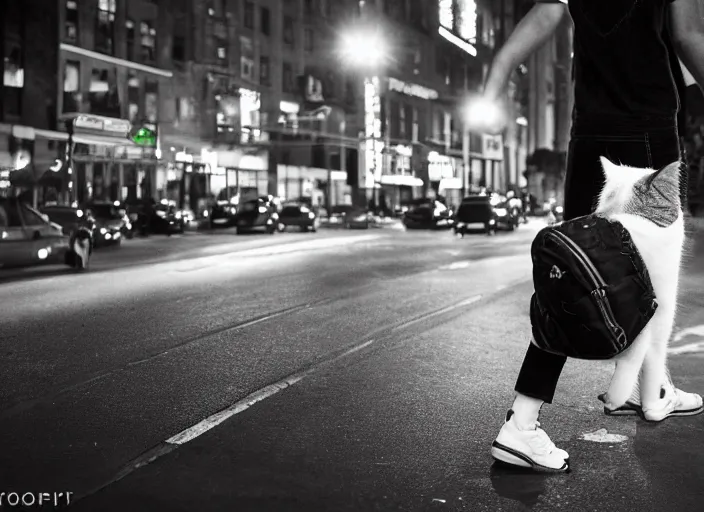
<point>337,371</point>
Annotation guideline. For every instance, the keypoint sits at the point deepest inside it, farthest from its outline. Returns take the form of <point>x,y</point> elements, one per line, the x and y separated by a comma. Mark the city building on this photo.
<point>28,111</point>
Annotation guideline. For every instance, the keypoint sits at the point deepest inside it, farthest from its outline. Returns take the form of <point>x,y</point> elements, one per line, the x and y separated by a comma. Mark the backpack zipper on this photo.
<point>599,293</point>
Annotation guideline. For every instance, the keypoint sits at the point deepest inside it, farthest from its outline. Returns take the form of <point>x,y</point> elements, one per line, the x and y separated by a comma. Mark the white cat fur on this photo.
<point>661,249</point>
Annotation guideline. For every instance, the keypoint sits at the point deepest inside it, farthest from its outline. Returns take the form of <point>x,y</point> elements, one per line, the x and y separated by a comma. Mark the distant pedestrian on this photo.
<point>626,108</point>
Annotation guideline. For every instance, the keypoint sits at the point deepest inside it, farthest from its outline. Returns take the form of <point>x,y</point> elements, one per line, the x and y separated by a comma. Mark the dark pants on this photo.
<point>652,143</point>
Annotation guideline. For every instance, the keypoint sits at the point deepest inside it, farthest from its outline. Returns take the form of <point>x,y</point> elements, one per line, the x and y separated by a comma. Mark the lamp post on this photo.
<point>365,48</point>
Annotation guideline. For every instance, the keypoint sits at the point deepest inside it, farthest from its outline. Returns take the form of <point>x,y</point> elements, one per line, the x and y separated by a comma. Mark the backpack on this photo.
<point>593,295</point>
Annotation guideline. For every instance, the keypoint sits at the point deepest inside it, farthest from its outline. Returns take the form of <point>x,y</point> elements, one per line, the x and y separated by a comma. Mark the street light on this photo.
<point>366,48</point>
<point>363,48</point>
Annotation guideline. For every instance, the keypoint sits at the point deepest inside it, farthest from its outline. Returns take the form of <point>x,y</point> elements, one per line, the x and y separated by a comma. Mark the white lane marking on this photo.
<point>456,265</point>
<point>212,421</point>
<point>687,349</point>
<point>200,428</point>
<point>442,311</point>
<point>697,330</point>
<point>602,436</point>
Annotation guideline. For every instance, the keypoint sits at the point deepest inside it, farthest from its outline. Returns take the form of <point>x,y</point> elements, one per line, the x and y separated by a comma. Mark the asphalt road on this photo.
<point>352,371</point>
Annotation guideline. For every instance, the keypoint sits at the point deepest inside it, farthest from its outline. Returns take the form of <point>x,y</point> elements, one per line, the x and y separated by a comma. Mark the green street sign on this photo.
<point>144,137</point>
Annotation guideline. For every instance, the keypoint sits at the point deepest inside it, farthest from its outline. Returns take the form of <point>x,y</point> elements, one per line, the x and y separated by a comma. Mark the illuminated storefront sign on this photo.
<point>250,105</point>
<point>458,23</point>
<point>412,89</point>
<point>439,167</point>
<point>372,131</point>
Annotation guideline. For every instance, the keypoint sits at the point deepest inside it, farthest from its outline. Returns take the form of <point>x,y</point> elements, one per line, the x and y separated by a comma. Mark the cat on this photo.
<point>647,203</point>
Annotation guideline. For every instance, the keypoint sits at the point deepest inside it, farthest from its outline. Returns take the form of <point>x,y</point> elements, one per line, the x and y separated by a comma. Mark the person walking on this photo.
<point>626,108</point>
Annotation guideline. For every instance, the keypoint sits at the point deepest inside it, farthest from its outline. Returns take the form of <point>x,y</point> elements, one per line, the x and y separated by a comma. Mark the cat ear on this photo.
<point>607,165</point>
<point>669,174</point>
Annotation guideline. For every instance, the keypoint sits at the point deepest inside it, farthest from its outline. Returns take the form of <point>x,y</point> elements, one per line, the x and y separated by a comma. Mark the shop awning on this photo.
<point>101,140</point>
<point>400,180</point>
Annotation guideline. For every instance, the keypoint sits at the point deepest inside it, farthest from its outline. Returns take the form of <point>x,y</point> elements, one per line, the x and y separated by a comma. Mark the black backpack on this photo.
<point>593,294</point>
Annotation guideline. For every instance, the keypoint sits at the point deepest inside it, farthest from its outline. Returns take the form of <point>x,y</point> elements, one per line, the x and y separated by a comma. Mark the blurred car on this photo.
<point>69,218</point>
<point>486,212</point>
<point>167,219</point>
<point>350,217</point>
<point>223,214</point>
<point>427,214</point>
<point>259,213</point>
<point>27,238</point>
<point>298,215</point>
<point>109,223</point>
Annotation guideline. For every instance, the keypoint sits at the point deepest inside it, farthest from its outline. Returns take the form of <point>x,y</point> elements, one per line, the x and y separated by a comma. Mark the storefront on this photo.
<point>40,155</point>
<point>310,184</point>
<point>240,172</point>
<point>105,164</point>
<point>445,176</point>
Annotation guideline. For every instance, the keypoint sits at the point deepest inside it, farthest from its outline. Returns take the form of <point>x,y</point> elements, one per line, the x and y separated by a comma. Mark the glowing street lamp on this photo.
<point>484,115</point>
<point>363,48</point>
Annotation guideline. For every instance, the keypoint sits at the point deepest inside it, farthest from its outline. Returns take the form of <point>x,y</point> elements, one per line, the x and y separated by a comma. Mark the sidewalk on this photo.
<point>407,425</point>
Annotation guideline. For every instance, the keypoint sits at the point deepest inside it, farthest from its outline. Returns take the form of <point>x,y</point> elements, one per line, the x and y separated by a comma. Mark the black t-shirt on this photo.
<point>624,63</point>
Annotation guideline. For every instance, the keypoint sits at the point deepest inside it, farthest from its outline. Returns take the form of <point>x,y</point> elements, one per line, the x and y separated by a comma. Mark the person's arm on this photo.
<point>531,33</point>
<point>687,24</point>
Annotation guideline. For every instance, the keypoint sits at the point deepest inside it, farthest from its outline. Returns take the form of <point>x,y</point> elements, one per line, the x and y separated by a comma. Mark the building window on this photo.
<point>287,78</point>
<point>414,121</point>
<point>264,74</point>
<point>247,68</point>
<point>148,41</point>
<point>288,31</point>
<point>71,26</point>
<point>102,95</point>
<point>246,58</point>
<point>309,7</point>
<point>248,15</point>
<point>308,40</point>
<point>184,109</point>
<point>265,21</point>
<point>222,51</point>
<point>133,98</point>
<point>402,121</point>
<point>131,36</point>
<point>105,30</point>
<point>72,81</point>
<point>151,101</point>
<point>178,49</point>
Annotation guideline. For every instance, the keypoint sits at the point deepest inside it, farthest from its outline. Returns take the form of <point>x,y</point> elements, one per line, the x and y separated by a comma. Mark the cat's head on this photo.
<point>649,193</point>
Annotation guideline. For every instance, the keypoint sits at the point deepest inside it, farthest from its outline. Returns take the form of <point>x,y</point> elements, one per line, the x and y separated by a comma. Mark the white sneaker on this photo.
<point>528,447</point>
<point>674,403</point>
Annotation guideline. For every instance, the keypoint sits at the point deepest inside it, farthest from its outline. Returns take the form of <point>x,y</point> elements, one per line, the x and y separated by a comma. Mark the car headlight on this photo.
<point>103,231</point>
<point>501,212</point>
<point>311,215</point>
<point>161,213</point>
<point>262,209</point>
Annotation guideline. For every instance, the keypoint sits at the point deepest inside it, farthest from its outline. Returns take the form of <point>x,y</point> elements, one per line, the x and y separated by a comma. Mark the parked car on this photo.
<point>298,215</point>
<point>259,213</point>
<point>486,212</point>
<point>167,219</point>
<point>27,238</point>
<point>223,214</point>
<point>427,214</point>
<point>350,217</point>
<point>70,218</point>
<point>109,223</point>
